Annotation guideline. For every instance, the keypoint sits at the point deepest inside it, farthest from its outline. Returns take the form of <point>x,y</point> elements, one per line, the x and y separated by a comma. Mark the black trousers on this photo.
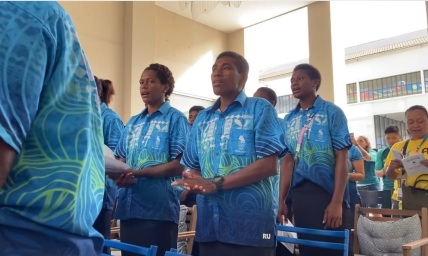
<point>149,232</point>
<point>102,224</point>
<point>309,204</point>
<point>225,249</point>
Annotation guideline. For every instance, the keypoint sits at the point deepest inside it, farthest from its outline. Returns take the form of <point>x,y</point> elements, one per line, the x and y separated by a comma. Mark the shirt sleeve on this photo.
<point>190,157</point>
<point>355,154</point>
<point>120,150</point>
<point>23,67</point>
<point>179,134</point>
<point>338,125</point>
<point>397,146</point>
<point>372,154</point>
<point>269,134</point>
<point>113,132</point>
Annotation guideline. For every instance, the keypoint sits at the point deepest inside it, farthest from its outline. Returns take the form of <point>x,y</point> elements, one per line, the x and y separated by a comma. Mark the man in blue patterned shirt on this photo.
<point>51,150</point>
<point>152,145</point>
<point>317,138</point>
<point>112,130</point>
<point>232,152</point>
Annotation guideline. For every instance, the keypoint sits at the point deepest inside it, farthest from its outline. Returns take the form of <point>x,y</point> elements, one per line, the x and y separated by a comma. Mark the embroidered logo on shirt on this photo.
<point>266,236</point>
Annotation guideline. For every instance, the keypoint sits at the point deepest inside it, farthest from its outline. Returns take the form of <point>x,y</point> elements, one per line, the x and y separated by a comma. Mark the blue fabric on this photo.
<point>150,140</point>
<point>112,130</point>
<point>50,114</point>
<point>370,177</point>
<point>223,143</point>
<point>328,132</point>
<point>276,179</point>
<point>354,154</point>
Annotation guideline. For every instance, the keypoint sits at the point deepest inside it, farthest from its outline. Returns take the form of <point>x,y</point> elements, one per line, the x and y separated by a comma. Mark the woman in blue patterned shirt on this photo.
<point>152,144</point>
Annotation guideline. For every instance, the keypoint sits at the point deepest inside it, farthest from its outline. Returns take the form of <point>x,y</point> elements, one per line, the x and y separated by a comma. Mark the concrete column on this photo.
<point>320,46</point>
<point>140,51</point>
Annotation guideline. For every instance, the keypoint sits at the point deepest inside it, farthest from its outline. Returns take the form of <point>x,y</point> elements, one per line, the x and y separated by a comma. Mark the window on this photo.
<point>351,93</point>
<point>426,80</point>
<point>381,123</point>
<point>393,86</point>
<point>286,103</point>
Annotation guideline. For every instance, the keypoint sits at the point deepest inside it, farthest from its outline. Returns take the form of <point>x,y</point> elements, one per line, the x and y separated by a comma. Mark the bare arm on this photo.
<point>258,170</point>
<point>172,168</point>
<point>340,175</point>
<point>7,156</point>
<point>359,170</point>
<point>285,177</point>
<point>333,213</point>
<point>366,154</point>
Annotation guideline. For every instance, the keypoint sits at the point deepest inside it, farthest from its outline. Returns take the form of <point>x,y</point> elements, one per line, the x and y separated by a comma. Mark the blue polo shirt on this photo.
<point>112,130</point>
<point>150,140</point>
<point>50,115</point>
<point>354,154</point>
<point>326,133</point>
<point>222,143</point>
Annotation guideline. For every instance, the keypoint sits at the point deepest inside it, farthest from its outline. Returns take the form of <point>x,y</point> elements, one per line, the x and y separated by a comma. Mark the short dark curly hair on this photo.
<point>240,61</point>
<point>311,71</point>
<point>165,76</point>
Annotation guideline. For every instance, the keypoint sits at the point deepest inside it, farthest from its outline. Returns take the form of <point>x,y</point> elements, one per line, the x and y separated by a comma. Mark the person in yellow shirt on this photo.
<point>415,189</point>
<point>392,136</point>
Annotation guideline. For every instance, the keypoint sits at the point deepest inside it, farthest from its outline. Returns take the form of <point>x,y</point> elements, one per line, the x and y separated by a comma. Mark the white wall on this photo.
<point>387,64</point>
<point>360,115</point>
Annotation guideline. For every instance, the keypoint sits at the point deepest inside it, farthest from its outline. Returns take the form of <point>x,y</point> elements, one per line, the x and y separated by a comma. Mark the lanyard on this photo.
<point>404,149</point>
<point>422,142</point>
<point>302,132</point>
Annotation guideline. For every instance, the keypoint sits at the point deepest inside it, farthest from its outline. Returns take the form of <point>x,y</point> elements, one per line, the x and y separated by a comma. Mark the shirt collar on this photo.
<point>163,109</point>
<point>317,104</point>
<point>103,107</point>
<point>241,98</point>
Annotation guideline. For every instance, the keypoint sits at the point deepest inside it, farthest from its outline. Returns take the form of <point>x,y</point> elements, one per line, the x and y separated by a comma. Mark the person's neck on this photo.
<point>225,101</point>
<point>418,137</point>
<point>151,108</point>
<point>308,101</point>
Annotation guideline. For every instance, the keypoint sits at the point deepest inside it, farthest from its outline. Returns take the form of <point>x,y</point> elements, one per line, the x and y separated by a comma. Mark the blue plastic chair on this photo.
<point>344,246</point>
<point>173,252</point>
<point>131,248</point>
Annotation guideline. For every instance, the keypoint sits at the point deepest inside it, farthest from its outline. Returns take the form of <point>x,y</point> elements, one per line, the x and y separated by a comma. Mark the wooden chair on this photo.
<point>114,230</point>
<point>189,235</point>
<point>377,214</point>
<point>140,250</point>
<point>343,246</point>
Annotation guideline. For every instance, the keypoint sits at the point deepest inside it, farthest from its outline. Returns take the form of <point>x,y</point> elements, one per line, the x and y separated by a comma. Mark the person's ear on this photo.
<point>243,79</point>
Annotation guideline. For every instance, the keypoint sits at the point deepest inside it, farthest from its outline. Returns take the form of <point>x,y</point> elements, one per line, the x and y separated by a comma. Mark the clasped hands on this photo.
<point>193,181</point>
<point>124,179</point>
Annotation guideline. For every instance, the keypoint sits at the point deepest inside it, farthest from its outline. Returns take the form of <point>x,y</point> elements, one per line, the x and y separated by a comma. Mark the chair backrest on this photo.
<point>343,246</point>
<point>369,198</point>
<point>131,248</point>
<point>173,252</point>
<point>191,219</point>
<point>378,214</point>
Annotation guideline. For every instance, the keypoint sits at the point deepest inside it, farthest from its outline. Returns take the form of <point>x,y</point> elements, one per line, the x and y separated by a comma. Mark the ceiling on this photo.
<point>228,19</point>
